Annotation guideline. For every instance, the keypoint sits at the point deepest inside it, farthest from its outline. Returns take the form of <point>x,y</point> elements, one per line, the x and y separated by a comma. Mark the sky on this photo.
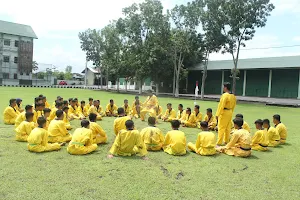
<point>58,22</point>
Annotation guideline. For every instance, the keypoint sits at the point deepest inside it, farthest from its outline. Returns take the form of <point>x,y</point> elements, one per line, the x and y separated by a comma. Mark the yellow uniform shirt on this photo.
<point>19,108</point>
<point>246,127</point>
<point>205,144</point>
<point>38,141</point>
<point>198,116</point>
<point>87,107</point>
<point>239,144</point>
<point>111,109</point>
<point>274,137</point>
<point>82,111</point>
<point>180,114</point>
<point>47,105</point>
<point>170,115</point>
<point>153,138</point>
<point>58,131</point>
<point>127,143</point>
<point>227,102</point>
<point>21,117</point>
<point>82,142</point>
<point>36,115</point>
<point>282,131</point>
<point>189,120</point>
<point>53,114</point>
<point>150,102</point>
<point>159,111</point>
<point>212,121</point>
<point>24,130</point>
<point>134,111</point>
<point>67,121</point>
<point>260,140</point>
<point>72,112</point>
<point>127,110</point>
<point>10,115</point>
<point>98,111</point>
<point>119,124</point>
<point>175,143</point>
<point>98,134</point>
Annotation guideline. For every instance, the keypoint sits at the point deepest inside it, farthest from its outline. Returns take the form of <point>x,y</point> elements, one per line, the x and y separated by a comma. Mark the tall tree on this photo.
<point>35,66</point>
<point>68,73</point>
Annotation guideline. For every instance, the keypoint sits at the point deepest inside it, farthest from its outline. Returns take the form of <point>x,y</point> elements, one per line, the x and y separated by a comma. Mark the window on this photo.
<point>6,59</point>
<point>7,42</point>
<point>16,60</point>
<point>21,73</point>
<point>27,73</point>
<point>15,76</point>
<point>6,75</point>
<point>16,43</point>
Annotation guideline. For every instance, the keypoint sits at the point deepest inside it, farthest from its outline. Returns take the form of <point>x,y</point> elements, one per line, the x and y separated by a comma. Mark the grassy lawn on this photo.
<point>58,175</point>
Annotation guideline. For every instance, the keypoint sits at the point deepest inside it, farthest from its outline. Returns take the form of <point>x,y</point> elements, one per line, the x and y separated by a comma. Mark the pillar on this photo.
<point>222,82</point>
<point>270,83</point>
<point>244,84</point>
<point>299,86</point>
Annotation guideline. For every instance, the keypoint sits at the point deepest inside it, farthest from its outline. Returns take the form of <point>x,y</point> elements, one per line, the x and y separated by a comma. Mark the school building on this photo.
<point>277,77</point>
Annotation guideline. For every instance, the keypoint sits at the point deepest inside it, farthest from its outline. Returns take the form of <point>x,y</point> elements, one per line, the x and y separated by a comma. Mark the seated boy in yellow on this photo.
<point>281,128</point>
<point>38,111</point>
<point>189,119</point>
<point>82,111</point>
<point>205,143</point>
<point>260,140</point>
<point>170,114</point>
<point>21,117</point>
<point>82,140</point>
<point>72,113</point>
<point>245,125</point>
<point>38,139</point>
<point>159,111</point>
<point>197,113</point>
<point>19,105</point>
<point>127,108</point>
<point>240,142</point>
<point>111,109</point>
<point>119,123</point>
<point>152,136</point>
<point>10,114</point>
<point>150,106</point>
<point>273,135</point>
<point>58,106</point>
<point>98,134</point>
<point>210,119</point>
<point>136,107</point>
<point>88,106</point>
<point>46,114</point>
<point>57,129</point>
<point>181,112</point>
<point>97,109</point>
<point>175,140</point>
<point>66,118</point>
<point>25,128</point>
<point>128,142</point>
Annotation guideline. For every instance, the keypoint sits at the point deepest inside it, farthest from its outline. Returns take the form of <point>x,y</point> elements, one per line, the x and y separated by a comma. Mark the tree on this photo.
<point>237,21</point>
<point>68,73</point>
<point>59,75</point>
<point>35,66</point>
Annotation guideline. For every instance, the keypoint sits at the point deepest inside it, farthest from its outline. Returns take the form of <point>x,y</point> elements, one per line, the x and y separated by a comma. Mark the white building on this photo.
<point>16,52</point>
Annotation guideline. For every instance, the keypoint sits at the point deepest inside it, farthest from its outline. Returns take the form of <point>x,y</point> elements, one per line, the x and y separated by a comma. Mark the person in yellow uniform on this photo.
<point>127,108</point>
<point>97,109</point>
<point>119,123</point>
<point>65,104</point>
<point>72,113</point>
<point>210,119</point>
<point>57,107</point>
<point>82,140</point>
<point>224,114</point>
<point>152,136</point>
<point>111,109</point>
<point>81,111</point>
<point>197,113</point>
<point>76,103</point>
<point>274,137</point>
<point>240,142</point>
<point>46,114</point>
<point>19,105</point>
<point>281,128</point>
<point>87,106</point>
<point>58,99</point>
<point>170,114</point>
<point>175,140</point>
<point>47,104</point>
<point>38,111</point>
<point>99,135</point>
<point>128,142</point>
<point>25,128</point>
<point>189,119</point>
<point>10,114</point>
<point>245,125</point>
<point>205,143</point>
<point>57,129</point>
<point>38,139</point>
<point>21,117</point>
<point>150,106</point>
<point>159,112</point>
<point>181,112</point>
<point>260,140</point>
<point>66,118</point>
<point>136,108</point>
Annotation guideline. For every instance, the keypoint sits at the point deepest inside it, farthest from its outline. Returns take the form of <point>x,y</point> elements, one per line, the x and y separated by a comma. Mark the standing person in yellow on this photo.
<point>127,108</point>
<point>111,109</point>
<point>224,114</point>
<point>97,109</point>
<point>274,137</point>
<point>210,119</point>
<point>181,113</point>
<point>205,143</point>
<point>10,114</point>
<point>25,128</point>
<point>81,111</point>
<point>72,113</point>
<point>175,140</point>
<point>260,140</point>
<point>19,105</point>
<point>245,125</point>
<point>57,129</point>
<point>152,136</point>
<point>82,140</point>
<point>170,114</point>
<point>149,106</point>
<point>21,117</point>
<point>99,135</point>
<point>136,107</point>
<point>38,139</point>
<point>46,114</point>
<point>66,118</point>
<point>189,119</point>
<point>197,113</point>
<point>281,128</point>
<point>119,123</point>
<point>58,106</point>
<point>240,143</point>
<point>128,142</point>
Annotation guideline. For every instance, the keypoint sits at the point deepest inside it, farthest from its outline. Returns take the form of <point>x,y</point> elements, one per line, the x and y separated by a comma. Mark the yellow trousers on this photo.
<point>282,141</point>
<point>76,149</point>
<point>56,139</point>
<point>10,122</point>
<point>21,138</point>
<point>274,143</point>
<point>224,127</point>
<point>100,139</point>
<point>202,151</point>
<point>152,113</point>
<point>258,147</point>
<point>156,147</point>
<point>238,152</point>
<point>41,148</point>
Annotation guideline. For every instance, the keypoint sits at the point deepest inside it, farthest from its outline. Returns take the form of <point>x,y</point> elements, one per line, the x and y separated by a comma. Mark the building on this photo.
<point>276,77</point>
<point>92,76</point>
<point>16,52</point>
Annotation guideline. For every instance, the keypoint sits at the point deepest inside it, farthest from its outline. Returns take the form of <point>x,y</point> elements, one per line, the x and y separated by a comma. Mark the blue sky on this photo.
<point>57,24</point>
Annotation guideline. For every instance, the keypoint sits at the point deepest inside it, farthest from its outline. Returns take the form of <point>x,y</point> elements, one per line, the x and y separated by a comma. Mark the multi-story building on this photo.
<point>16,52</point>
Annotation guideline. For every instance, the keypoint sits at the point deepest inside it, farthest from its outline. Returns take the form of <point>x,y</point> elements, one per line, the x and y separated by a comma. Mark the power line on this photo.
<point>275,47</point>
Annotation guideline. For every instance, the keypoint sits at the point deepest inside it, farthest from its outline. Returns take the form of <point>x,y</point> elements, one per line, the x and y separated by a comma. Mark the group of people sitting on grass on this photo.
<point>46,128</point>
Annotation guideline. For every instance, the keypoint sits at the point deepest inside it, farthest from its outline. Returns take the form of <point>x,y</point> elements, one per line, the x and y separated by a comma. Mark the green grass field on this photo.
<point>58,175</point>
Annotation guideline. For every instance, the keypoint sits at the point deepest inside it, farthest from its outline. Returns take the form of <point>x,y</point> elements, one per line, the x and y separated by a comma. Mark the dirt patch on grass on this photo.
<point>165,171</point>
<point>179,176</point>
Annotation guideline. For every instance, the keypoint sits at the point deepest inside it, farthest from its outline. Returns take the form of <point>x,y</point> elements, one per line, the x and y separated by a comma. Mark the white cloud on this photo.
<point>284,6</point>
<point>297,38</point>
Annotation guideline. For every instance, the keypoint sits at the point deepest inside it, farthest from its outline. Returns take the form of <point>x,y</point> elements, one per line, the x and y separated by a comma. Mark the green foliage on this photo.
<point>68,73</point>
<point>35,66</point>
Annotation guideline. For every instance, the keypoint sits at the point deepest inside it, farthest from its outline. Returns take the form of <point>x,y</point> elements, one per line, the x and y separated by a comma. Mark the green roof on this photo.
<point>17,29</point>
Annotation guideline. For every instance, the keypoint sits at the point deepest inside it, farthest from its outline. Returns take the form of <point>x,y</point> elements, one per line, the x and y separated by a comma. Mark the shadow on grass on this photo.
<point>252,157</point>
